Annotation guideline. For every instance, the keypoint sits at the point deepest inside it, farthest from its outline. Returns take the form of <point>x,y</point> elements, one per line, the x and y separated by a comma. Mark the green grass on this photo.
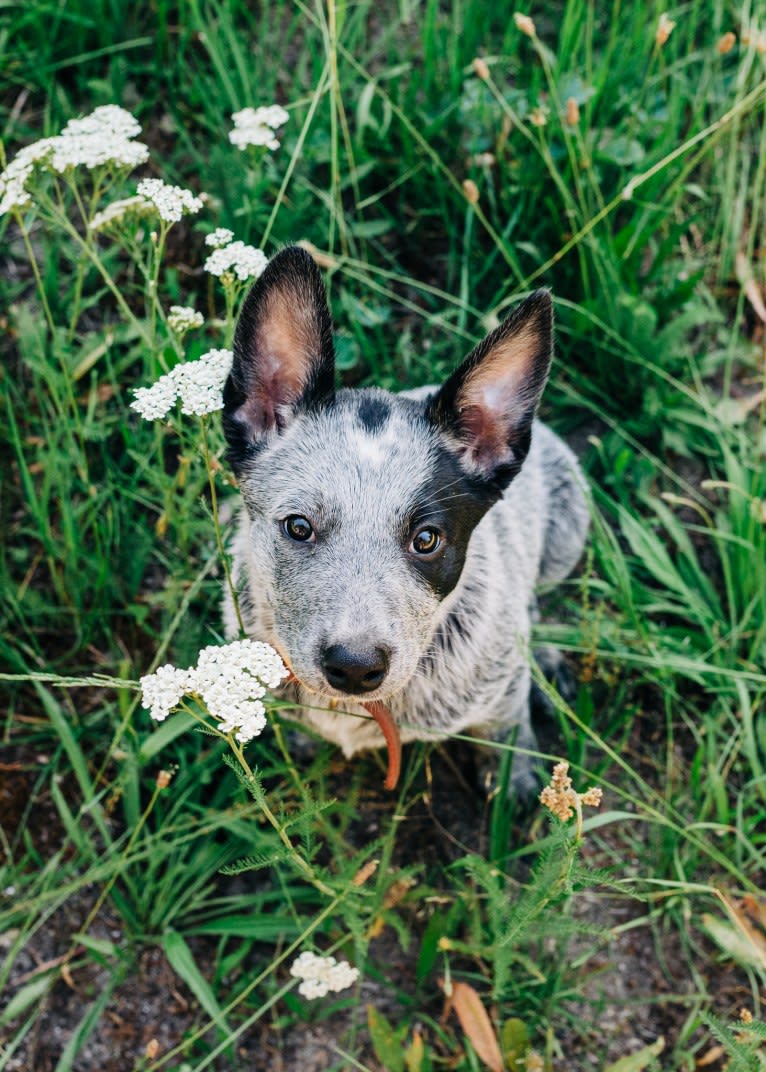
<point>646,220</point>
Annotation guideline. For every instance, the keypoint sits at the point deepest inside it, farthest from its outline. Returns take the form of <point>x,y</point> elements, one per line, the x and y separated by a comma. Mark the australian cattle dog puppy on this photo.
<point>390,545</point>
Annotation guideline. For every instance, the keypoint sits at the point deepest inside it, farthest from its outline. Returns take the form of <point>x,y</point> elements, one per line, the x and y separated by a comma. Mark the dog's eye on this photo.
<point>299,529</point>
<point>425,542</point>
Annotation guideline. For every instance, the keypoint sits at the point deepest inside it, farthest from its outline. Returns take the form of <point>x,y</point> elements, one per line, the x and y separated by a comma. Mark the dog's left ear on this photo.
<point>284,359</point>
<point>488,404</point>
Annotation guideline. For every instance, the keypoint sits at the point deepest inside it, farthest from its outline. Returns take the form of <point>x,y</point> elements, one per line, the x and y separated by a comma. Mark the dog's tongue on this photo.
<point>390,731</point>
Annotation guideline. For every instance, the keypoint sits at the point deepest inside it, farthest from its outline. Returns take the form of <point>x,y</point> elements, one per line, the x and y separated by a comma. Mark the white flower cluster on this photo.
<point>183,318</point>
<point>172,202</point>
<point>220,237</point>
<point>231,680</point>
<point>256,126</point>
<point>246,262</point>
<point>320,975</point>
<point>199,385</point>
<point>136,206</point>
<point>103,137</point>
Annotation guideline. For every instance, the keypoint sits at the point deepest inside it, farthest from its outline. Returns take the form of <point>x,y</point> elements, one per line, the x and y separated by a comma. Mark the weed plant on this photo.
<point>439,160</point>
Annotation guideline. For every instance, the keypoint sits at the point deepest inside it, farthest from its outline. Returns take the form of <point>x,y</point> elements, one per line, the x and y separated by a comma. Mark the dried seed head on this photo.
<point>163,779</point>
<point>727,43</point>
<point>560,798</point>
<point>524,23</point>
<point>480,68</point>
<point>471,191</point>
<point>152,1049</point>
<point>665,28</point>
<point>484,160</point>
<point>538,117</point>
<point>572,112</point>
<point>745,1016</point>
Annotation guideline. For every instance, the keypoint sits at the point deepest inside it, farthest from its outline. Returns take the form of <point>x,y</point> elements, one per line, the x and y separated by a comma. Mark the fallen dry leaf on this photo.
<point>475,1022</point>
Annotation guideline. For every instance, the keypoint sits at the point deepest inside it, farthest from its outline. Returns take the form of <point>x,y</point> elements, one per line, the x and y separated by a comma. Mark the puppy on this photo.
<point>390,545</point>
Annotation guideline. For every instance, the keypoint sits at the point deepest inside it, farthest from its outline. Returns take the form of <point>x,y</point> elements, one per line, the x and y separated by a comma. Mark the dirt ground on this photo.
<point>632,991</point>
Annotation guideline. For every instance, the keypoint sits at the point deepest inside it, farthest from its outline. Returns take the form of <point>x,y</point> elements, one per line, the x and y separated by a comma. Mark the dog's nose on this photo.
<point>355,671</point>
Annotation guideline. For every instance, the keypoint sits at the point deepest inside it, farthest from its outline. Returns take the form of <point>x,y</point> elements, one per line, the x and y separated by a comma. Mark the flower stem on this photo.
<point>217,526</point>
<point>302,863</point>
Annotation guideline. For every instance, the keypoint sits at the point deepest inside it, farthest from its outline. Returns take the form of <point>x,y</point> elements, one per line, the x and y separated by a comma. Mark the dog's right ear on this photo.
<point>284,359</point>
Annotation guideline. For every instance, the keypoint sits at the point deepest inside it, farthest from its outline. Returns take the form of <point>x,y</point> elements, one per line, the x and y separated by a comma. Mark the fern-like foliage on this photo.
<point>744,1043</point>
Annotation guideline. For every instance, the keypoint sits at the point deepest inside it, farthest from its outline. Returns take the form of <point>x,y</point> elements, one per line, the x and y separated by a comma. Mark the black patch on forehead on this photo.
<point>454,502</point>
<point>372,413</point>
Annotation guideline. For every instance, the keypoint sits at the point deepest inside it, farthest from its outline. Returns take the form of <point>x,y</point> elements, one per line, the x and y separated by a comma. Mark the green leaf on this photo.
<point>26,996</point>
<point>265,928</point>
<point>623,151</point>
<point>514,1042</point>
<point>170,729</point>
<point>388,1048</point>
<point>429,945</point>
<point>735,942</point>
<point>635,1062</point>
<point>183,964</point>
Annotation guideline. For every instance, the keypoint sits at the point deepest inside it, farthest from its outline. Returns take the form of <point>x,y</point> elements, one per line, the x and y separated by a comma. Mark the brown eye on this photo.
<point>425,542</point>
<point>298,528</point>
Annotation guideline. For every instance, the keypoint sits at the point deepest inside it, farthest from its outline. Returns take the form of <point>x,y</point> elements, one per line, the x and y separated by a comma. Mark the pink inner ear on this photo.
<point>486,434</point>
<point>285,348</point>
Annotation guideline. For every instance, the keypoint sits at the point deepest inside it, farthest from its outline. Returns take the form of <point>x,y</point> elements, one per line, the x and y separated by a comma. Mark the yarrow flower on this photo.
<point>220,237</point>
<point>256,126</point>
<point>183,318</point>
<point>105,137</point>
<point>199,385</point>
<point>320,975</point>
<point>246,262</point>
<point>172,202</point>
<point>231,680</point>
<point>136,206</point>
<point>560,798</point>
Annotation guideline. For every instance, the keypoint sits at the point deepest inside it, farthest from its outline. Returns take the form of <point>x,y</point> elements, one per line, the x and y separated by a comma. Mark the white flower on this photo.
<point>101,138</point>
<point>246,262</point>
<point>231,680</point>
<point>183,318</point>
<point>172,202</point>
<point>156,401</point>
<point>199,385</point>
<point>96,150</point>
<point>220,237</point>
<point>162,690</point>
<point>109,120</point>
<point>320,975</point>
<point>256,126</point>
<point>128,206</point>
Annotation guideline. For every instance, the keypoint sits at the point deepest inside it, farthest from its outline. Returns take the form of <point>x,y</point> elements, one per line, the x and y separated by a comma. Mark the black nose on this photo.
<point>355,671</point>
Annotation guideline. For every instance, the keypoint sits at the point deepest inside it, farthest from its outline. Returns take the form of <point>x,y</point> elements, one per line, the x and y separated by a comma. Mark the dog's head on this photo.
<point>362,503</point>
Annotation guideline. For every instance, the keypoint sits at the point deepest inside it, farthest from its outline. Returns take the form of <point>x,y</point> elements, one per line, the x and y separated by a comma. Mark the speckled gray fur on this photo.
<point>360,464</point>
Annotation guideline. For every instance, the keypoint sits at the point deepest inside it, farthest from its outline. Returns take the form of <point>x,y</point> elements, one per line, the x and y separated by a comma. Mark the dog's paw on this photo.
<point>524,781</point>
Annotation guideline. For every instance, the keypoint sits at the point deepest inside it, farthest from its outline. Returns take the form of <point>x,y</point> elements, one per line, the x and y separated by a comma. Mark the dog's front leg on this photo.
<point>513,730</point>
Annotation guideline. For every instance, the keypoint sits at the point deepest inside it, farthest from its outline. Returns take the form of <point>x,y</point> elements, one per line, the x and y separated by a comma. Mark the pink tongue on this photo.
<point>390,731</point>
